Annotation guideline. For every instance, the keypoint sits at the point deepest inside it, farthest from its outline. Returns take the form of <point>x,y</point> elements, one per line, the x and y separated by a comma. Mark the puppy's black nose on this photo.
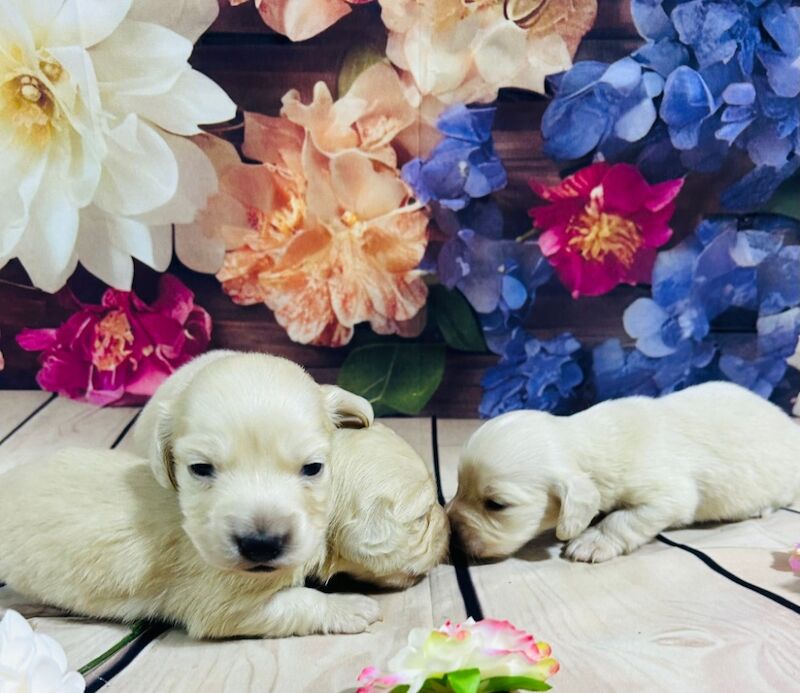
<point>260,547</point>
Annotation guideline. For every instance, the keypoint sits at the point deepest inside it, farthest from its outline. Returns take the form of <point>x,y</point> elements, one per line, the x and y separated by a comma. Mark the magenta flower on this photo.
<point>120,351</point>
<point>603,226</point>
<point>794,559</point>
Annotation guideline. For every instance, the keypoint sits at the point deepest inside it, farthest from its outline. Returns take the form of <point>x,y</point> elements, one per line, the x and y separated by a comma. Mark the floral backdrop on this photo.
<point>343,171</point>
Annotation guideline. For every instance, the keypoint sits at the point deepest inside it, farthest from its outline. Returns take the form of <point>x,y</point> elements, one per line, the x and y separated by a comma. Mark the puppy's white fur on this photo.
<point>119,537</point>
<point>92,531</point>
<point>386,526</point>
<point>711,452</point>
<point>380,486</point>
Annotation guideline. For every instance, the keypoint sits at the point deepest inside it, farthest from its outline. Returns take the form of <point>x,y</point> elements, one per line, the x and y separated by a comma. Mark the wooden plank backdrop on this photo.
<point>257,67</point>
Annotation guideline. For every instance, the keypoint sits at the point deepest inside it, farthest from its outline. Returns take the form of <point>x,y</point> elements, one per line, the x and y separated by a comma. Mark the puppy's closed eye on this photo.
<point>203,470</point>
<point>493,505</point>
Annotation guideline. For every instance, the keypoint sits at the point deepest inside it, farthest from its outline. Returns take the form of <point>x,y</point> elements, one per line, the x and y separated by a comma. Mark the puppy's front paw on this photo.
<point>593,546</point>
<point>351,613</point>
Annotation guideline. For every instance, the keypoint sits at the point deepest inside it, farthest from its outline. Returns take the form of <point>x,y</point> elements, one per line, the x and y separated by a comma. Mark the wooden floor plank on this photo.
<point>16,406</point>
<point>452,434</point>
<point>656,620</point>
<point>653,621</point>
<point>756,550</point>
<point>61,424</point>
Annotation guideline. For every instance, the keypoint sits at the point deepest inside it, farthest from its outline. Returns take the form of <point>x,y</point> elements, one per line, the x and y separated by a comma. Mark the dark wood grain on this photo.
<point>257,67</point>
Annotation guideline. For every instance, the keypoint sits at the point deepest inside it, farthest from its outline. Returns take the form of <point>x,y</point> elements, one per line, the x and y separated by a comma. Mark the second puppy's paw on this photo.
<point>593,546</point>
<point>351,613</point>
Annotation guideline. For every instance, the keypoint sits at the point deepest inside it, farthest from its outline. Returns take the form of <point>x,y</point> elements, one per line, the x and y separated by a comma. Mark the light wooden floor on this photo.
<point>718,612</point>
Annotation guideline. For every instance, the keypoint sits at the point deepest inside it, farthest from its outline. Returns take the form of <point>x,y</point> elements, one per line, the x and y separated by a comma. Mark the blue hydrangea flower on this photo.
<point>719,73</point>
<point>752,264</point>
<point>498,277</point>
<point>619,372</point>
<point>463,166</point>
<point>532,374</point>
<point>600,107</point>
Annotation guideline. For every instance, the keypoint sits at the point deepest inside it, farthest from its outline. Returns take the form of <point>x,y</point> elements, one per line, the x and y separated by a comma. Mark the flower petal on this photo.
<point>140,172</point>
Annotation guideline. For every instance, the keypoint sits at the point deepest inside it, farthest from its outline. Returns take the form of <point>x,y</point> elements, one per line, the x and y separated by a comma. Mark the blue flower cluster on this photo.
<point>498,276</point>
<point>713,75</point>
<point>745,264</point>
<point>532,374</point>
<point>464,165</point>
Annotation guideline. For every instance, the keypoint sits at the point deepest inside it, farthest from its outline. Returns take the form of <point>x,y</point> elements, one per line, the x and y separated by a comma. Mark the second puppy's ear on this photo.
<point>162,462</point>
<point>580,503</point>
<point>347,409</point>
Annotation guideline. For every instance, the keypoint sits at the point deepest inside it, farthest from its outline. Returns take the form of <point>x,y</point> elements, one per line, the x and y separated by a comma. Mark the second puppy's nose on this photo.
<point>260,547</point>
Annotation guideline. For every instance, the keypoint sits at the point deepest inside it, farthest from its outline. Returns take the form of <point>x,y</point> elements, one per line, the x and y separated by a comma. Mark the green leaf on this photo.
<point>455,319</point>
<point>395,378</point>
<point>464,680</point>
<point>358,58</point>
<point>513,683</point>
<point>786,199</point>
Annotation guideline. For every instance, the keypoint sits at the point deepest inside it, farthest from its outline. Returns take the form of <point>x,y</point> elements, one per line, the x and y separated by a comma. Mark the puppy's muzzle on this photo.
<point>260,548</point>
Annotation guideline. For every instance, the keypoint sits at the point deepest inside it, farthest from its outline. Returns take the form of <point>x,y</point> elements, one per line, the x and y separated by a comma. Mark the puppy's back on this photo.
<point>745,446</point>
<point>85,527</point>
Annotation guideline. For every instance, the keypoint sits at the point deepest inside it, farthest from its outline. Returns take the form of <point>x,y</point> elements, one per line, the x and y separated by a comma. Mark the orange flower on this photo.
<point>324,231</point>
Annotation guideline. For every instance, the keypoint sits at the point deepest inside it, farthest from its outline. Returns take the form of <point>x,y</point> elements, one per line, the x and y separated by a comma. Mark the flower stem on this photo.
<point>136,631</point>
<point>530,233</point>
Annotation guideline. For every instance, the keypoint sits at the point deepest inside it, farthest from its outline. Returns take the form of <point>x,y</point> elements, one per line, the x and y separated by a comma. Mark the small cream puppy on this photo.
<point>386,526</point>
<point>711,452</point>
<point>216,530</point>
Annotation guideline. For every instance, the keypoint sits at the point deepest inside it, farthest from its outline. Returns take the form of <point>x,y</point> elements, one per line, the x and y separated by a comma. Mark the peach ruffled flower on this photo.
<point>324,231</point>
<point>465,50</point>
<point>301,19</point>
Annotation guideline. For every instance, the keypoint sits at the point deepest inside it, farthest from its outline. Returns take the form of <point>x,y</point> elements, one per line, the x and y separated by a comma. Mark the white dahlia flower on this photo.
<point>96,100</point>
<point>32,662</point>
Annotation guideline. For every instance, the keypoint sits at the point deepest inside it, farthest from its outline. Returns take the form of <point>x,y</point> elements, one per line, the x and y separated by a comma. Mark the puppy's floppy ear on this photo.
<point>580,502</point>
<point>162,463</point>
<point>347,409</point>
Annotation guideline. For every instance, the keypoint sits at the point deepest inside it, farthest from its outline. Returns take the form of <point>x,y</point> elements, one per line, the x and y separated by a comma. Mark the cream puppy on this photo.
<point>711,452</point>
<point>92,531</point>
<point>239,493</point>
<point>387,526</point>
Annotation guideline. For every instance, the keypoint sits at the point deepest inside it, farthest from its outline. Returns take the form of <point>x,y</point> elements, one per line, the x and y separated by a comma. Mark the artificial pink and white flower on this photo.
<point>301,19</point>
<point>794,559</point>
<point>496,648</point>
<point>462,52</point>
<point>32,662</point>
<point>95,100</point>
<point>603,226</point>
<point>120,351</point>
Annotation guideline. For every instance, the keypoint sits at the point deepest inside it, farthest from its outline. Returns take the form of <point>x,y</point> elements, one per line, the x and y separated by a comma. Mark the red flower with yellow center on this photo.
<point>603,226</point>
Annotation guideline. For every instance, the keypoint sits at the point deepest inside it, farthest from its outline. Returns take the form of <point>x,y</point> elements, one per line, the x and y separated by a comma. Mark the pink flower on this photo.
<point>496,648</point>
<point>603,226</point>
<point>302,19</point>
<point>120,351</point>
<point>794,559</point>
